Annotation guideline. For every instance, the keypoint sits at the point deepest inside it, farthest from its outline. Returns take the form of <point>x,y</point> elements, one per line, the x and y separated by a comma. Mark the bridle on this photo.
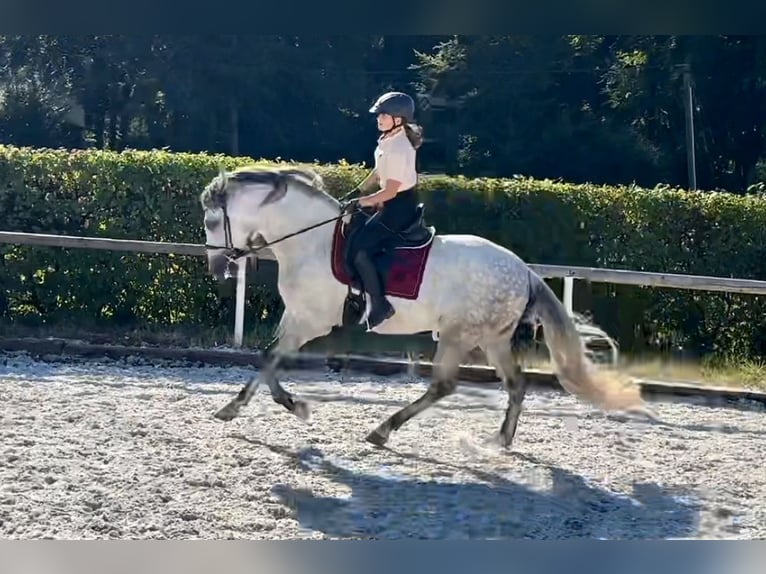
<point>257,243</point>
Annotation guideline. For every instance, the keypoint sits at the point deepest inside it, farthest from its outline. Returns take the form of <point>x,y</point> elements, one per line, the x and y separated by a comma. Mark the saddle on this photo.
<point>400,260</point>
<point>415,235</point>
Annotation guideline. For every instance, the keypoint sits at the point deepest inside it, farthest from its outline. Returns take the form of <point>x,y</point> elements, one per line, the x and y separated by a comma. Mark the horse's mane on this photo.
<point>303,178</point>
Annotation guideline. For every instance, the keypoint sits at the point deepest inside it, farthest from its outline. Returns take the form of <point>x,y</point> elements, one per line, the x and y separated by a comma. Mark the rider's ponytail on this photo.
<point>414,134</point>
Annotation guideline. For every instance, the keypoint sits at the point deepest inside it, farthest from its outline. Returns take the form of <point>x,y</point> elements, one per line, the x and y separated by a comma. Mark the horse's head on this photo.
<point>233,205</point>
<point>246,208</point>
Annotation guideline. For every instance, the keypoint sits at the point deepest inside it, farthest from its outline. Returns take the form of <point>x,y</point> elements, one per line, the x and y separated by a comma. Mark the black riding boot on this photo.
<point>373,286</point>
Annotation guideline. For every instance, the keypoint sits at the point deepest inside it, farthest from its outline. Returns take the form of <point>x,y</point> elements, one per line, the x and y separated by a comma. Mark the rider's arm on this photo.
<point>383,195</point>
<point>370,181</point>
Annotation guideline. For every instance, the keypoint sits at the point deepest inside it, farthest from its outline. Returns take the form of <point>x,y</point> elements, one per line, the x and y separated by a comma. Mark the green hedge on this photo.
<point>153,196</point>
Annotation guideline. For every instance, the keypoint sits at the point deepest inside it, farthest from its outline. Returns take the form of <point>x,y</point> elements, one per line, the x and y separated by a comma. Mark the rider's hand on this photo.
<point>350,205</point>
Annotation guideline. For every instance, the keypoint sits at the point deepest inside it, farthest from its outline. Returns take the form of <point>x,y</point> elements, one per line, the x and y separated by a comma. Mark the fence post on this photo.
<point>569,294</point>
<point>239,310</point>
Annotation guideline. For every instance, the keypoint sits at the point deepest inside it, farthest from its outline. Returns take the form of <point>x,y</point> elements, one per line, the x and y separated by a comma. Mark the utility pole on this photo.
<point>689,106</point>
<point>233,127</point>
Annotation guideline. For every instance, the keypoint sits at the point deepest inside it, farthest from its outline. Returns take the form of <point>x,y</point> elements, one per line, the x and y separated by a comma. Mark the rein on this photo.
<point>234,253</point>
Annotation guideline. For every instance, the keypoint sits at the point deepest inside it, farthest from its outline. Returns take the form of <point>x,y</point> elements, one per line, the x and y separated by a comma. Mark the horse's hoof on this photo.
<point>377,438</point>
<point>501,442</point>
<point>302,411</point>
<point>505,445</point>
<point>227,413</point>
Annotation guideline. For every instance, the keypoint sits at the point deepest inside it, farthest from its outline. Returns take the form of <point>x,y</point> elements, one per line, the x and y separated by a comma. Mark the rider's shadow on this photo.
<point>382,507</point>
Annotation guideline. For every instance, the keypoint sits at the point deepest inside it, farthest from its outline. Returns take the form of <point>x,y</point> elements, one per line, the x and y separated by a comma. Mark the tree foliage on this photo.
<point>581,108</point>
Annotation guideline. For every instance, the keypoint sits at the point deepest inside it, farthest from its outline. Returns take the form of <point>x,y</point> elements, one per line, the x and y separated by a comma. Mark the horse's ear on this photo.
<point>218,189</point>
<point>279,191</point>
<point>222,176</point>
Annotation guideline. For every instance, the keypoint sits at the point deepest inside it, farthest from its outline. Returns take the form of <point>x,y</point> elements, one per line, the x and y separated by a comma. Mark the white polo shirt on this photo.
<point>395,159</point>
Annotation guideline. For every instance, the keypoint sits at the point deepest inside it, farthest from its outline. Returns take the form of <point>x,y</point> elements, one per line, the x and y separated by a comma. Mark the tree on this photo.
<point>526,106</point>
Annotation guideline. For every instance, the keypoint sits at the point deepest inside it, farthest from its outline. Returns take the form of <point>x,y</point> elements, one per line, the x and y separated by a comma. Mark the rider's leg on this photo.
<point>366,243</point>
<point>373,285</point>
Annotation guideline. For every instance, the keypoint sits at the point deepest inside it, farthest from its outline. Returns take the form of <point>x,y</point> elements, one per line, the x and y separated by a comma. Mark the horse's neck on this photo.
<point>306,247</point>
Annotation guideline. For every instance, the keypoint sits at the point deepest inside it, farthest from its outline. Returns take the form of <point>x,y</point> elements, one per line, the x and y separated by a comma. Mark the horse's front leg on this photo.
<point>232,408</point>
<point>294,335</point>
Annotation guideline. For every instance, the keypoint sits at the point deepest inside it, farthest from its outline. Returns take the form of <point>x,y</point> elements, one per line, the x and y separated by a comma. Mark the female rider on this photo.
<point>395,201</point>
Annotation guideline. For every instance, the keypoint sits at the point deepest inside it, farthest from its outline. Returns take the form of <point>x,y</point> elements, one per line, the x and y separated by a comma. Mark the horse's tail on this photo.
<point>576,373</point>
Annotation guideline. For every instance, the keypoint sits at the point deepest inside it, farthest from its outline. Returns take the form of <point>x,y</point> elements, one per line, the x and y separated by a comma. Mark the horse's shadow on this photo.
<point>381,506</point>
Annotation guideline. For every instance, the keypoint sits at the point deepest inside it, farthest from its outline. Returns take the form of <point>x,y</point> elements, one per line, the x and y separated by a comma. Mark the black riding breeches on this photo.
<point>372,235</point>
<point>396,215</point>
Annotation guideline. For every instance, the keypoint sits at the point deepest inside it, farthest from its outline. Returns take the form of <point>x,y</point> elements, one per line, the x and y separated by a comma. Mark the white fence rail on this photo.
<point>568,273</point>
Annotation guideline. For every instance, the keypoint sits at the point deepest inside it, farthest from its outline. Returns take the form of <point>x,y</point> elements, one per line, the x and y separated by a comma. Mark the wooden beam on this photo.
<point>100,243</point>
<point>477,374</point>
<point>649,279</point>
<point>615,276</point>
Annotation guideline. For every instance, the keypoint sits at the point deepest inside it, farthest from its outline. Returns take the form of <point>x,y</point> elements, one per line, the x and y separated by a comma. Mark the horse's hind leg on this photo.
<point>449,353</point>
<point>500,356</point>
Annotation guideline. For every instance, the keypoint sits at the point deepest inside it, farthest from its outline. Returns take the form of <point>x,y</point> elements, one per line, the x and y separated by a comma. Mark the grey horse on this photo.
<point>474,293</point>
